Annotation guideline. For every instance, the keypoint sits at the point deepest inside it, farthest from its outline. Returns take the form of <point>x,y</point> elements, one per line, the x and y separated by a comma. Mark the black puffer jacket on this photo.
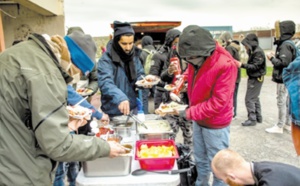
<point>285,52</point>
<point>256,65</point>
<point>162,57</point>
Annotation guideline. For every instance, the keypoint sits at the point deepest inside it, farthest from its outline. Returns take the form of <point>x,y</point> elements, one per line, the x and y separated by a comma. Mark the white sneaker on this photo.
<point>275,129</point>
<point>287,128</point>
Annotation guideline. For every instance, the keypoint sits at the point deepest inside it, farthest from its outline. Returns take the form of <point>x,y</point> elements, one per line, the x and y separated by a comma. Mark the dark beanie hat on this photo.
<point>122,28</point>
<point>82,49</point>
<point>147,40</point>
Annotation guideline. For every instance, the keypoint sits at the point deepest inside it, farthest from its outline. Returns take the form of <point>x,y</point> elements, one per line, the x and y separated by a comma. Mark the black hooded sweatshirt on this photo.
<point>285,52</point>
<point>256,65</point>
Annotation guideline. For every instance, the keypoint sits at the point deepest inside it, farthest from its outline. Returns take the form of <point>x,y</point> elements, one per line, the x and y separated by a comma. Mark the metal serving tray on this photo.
<point>118,166</point>
<point>157,129</point>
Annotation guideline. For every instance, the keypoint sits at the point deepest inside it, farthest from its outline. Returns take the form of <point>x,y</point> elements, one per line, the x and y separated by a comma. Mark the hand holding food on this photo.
<point>172,68</point>
<point>148,81</point>
<point>116,149</point>
<point>105,119</point>
<point>74,124</point>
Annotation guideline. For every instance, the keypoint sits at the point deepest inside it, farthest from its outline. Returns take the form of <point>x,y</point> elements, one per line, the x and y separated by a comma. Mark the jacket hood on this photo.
<point>170,36</point>
<point>251,41</point>
<point>236,45</point>
<point>287,30</point>
<point>147,40</point>
<point>196,41</point>
<point>226,37</point>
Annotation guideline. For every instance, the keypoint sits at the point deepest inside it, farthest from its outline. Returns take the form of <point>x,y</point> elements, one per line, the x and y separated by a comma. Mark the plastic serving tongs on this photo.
<point>137,120</point>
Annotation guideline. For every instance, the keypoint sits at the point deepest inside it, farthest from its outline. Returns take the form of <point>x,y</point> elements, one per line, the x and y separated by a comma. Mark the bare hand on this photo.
<point>115,149</point>
<point>172,68</point>
<point>239,64</point>
<point>74,124</point>
<point>124,107</point>
<point>270,55</point>
<point>105,119</point>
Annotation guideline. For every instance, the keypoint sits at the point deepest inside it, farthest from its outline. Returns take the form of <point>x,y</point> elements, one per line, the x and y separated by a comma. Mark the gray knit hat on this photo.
<point>83,50</point>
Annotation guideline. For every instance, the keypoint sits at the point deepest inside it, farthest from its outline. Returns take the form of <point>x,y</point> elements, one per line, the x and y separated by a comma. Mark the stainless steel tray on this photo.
<point>157,129</point>
<point>118,166</point>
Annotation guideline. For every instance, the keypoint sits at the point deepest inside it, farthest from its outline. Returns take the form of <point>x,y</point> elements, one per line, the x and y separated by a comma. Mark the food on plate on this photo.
<point>169,107</point>
<point>84,91</point>
<point>170,87</point>
<point>155,151</point>
<point>148,81</point>
<point>79,112</point>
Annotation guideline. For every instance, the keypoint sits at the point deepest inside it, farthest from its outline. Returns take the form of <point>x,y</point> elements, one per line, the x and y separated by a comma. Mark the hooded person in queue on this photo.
<point>211,76</point>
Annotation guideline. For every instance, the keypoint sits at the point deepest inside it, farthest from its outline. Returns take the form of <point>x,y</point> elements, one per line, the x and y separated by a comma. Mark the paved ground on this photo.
<point>253,142</point>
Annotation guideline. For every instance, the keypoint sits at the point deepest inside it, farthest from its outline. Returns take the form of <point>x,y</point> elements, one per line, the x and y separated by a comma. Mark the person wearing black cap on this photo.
<point>211,76</point>
<point>148,51</point>
<point>256,69</point>
<point>118,70</point>
<point>161,63</point>
<point>284,55</point>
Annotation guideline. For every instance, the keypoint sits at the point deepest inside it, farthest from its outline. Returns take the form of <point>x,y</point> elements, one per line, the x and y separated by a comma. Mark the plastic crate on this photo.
<point>164,163</point>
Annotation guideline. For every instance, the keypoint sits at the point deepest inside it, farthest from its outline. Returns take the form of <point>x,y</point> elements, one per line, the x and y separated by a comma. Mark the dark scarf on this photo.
<point>126,60</point>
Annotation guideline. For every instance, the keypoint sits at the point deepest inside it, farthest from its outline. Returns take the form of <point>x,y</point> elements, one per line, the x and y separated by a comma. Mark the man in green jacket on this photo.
<point>33,118</point>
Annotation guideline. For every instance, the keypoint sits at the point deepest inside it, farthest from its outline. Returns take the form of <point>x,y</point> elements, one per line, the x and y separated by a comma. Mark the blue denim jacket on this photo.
<point>291,79</point>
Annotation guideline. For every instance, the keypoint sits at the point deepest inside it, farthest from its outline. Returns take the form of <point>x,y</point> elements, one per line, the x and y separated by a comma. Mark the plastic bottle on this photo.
<point>141,114</point>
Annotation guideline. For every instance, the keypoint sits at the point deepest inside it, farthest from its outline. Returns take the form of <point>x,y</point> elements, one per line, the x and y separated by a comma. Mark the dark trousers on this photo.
<point>252,98</point>
<point>158,98</point>
<point>236,89</point>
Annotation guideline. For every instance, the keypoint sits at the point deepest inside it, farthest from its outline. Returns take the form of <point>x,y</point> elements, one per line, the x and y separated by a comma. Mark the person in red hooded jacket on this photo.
<point>211,77</point>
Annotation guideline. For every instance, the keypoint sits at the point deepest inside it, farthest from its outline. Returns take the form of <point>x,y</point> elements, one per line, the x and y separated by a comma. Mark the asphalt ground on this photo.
<point>253,143</point>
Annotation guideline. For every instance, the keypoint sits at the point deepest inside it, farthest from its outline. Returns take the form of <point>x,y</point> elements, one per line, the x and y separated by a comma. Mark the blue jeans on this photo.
<point>207,142</point>
<point>69,168</point>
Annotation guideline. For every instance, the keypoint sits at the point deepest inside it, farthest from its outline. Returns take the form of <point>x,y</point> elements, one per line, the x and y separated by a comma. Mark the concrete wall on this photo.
<point>24,21</point>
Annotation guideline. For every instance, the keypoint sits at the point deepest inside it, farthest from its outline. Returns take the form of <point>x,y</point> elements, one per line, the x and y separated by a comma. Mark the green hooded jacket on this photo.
<point>33,118</point>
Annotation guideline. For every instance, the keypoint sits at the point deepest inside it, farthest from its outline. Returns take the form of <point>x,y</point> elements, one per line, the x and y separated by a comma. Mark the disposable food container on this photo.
<point>157,163</point>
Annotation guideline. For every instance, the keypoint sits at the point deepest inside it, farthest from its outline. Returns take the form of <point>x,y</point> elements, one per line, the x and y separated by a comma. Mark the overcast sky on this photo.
<point>95,16</point>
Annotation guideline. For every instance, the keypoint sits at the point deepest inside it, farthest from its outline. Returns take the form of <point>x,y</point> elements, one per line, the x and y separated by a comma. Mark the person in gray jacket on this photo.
<point>33,116</point>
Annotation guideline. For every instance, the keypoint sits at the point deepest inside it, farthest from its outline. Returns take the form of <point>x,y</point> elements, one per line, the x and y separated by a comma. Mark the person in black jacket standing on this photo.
<point>161,63</point>
<point>285,54</point>
<point>256,69</point>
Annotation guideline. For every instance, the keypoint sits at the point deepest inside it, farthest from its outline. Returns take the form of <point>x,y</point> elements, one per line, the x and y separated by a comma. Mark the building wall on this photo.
<point>22,21</point>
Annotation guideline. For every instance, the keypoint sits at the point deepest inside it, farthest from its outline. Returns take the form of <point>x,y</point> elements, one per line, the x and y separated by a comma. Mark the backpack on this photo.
<point>148,62</point>
<point>291,78</point>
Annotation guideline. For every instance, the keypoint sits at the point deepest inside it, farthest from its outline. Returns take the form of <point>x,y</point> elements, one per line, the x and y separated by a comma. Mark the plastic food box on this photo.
<point>161,163</point>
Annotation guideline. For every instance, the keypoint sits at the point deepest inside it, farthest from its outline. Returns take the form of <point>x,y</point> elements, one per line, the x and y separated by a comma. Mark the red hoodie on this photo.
<point>211,90</point>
